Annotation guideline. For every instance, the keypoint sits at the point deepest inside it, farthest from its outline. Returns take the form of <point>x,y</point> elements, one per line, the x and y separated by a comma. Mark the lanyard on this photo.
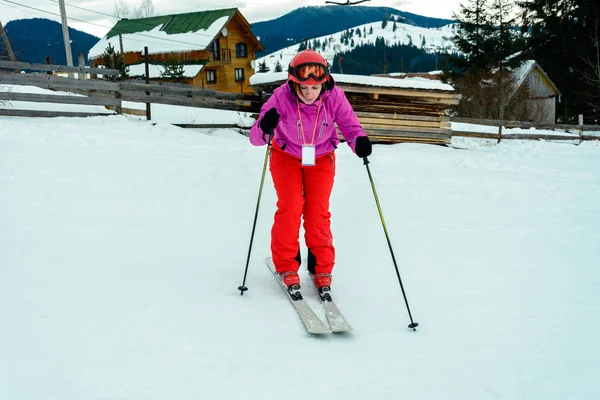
<point>312,142</point>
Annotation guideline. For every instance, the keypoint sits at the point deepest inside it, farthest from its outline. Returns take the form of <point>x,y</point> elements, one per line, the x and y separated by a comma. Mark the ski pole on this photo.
<point>413,324</point>
<point>243,288</point>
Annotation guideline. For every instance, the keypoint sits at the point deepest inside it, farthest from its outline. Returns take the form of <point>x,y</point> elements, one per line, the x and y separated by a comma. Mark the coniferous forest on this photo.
<point>561,35</point>
<point>380,58</point>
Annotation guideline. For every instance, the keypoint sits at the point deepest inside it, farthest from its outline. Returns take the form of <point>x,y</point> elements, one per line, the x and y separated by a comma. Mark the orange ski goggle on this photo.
<point>305,71</point>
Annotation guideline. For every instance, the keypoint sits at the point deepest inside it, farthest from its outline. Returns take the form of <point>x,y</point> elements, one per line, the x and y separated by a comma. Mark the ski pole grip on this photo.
<point>365,160</point>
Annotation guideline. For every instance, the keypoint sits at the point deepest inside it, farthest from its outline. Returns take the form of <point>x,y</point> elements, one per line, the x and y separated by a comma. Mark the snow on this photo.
<point>407,83</point>
<point>156,71</point>
<point>159,41</point>
<point>25,105</point>
<point>436,40</point>
<point>522,70</point>
<point>123,242</point>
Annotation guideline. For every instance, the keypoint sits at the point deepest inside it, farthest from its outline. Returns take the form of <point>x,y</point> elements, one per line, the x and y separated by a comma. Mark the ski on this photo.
<point>312,323</point>
<point>337,322</point>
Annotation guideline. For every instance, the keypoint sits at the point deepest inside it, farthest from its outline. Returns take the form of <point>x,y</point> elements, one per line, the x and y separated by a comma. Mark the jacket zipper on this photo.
<point>322,126</point>
<point>299,130</point>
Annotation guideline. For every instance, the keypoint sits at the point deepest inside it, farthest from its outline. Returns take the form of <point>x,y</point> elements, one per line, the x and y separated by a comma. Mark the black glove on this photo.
<point>363,146</point>
<point>269,121</point>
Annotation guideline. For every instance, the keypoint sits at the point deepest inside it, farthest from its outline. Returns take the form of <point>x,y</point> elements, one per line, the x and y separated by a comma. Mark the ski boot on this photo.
<point>323,285</point>
<point>291,280</point>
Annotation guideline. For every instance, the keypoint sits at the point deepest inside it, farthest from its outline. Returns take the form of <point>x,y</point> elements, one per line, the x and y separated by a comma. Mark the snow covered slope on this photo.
<point>431,40</point>
<point>123,242</point>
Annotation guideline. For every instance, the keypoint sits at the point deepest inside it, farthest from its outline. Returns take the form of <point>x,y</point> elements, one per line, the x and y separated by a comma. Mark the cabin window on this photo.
<point>241,50</point>
<point>239,74</point>
<point>211,76</point>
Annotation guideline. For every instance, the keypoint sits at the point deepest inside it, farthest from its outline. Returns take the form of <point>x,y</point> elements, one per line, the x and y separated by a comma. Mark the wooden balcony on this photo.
<point>222,57</point>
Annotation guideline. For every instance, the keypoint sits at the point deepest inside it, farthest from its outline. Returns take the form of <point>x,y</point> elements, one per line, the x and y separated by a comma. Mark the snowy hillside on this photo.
<point>123,242</point>
<point>431,40</point>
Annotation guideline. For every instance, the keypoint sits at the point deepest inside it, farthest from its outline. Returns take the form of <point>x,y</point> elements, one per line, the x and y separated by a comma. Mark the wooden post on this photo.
<point>580,128</point>
<point>121,44</point>
<point>81,63</point>
<point>499,133</point>
<point>148,111</point>
<point>49,62</point>
<point>115,79</point>
<point>11,55</point>
<point>66,39</point>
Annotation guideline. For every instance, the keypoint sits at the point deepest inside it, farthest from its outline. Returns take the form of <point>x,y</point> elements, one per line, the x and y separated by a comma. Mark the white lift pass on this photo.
<point>308,155</point>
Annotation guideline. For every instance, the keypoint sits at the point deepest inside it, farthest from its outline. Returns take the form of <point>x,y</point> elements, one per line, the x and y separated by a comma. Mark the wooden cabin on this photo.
<point>390,110</point>
<point>541,93</point>
<point>216,48</point>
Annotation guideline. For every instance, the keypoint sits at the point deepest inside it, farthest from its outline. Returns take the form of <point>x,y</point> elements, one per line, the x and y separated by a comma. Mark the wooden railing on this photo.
<point>222,55</point>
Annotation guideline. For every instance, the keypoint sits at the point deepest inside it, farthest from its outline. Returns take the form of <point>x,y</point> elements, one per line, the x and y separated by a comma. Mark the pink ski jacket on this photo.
<point>334,109</point>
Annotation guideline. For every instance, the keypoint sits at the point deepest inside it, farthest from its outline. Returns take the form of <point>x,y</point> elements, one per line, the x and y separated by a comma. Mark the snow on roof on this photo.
<point>521,72</point>
<point>156,70</point>
<point>407,83</point>
<point>159,41</point>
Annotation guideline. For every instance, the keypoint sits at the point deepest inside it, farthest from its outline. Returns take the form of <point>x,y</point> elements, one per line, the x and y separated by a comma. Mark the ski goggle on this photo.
<point>305,71</point>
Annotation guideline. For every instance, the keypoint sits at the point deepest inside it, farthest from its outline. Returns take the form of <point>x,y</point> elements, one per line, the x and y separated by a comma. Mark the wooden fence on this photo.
<point>382,127</point>
<point>109,93</point>
<point>578,133</point>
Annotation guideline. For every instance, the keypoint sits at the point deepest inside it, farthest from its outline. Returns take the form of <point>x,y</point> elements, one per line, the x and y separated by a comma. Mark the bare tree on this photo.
<point>146,9</point>
<point>123,10</point>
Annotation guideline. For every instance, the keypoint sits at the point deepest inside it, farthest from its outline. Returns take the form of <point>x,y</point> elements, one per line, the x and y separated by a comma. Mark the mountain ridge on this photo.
<point>35,38</point>
<point>315,21</point>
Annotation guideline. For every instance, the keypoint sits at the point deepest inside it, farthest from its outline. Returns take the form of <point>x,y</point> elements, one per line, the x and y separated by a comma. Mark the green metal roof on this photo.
<point>172,24</point>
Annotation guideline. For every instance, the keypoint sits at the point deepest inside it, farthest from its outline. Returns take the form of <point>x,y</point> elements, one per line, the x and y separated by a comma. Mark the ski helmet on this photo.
<point>309,68</point>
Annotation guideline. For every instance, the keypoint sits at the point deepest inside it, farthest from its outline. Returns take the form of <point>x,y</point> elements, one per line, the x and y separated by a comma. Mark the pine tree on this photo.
<point>262,67</point>
<point>474,36</point>
<point>278,67</point>
<point>114,60</point>
<point>384,22</point>
<point>371,30</point>
<point>394,27</point>
<point>174,69</point>
<point>505,37</point>
<point>562,38</point>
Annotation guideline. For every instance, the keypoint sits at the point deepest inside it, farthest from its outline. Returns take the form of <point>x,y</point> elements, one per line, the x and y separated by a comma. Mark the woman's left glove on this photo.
<point>363,146</point>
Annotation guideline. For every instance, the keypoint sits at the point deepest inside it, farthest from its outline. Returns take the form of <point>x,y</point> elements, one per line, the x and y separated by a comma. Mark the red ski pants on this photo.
<point>302,191</point>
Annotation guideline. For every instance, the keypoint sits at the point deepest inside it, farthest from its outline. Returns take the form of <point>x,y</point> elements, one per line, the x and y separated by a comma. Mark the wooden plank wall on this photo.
<point>397,128</point>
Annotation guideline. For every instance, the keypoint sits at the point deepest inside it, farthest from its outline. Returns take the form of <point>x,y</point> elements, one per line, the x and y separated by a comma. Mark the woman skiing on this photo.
<point>302,114</point>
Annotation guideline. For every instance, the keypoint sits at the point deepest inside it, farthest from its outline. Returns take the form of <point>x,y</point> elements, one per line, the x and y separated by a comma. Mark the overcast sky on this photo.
<point>254,10</point>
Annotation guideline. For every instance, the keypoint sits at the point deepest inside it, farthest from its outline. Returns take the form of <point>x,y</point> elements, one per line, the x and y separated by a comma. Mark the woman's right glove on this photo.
<point>269,121</point>
<point>363,146</point>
